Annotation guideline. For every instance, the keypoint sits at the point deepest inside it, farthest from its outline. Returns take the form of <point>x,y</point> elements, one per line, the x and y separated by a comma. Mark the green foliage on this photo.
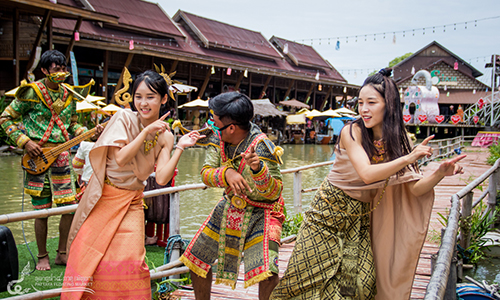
<point>291,225</point>
<point>480,224</point>
<point>399,59</point>
<point>494,154</point>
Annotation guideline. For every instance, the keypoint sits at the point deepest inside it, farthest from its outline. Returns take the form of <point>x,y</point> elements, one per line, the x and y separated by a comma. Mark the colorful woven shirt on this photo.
<point>248,223</point>
<point>34,105</point>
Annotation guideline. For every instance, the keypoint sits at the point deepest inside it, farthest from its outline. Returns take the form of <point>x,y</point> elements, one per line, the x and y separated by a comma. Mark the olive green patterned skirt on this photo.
<point>332,258</point>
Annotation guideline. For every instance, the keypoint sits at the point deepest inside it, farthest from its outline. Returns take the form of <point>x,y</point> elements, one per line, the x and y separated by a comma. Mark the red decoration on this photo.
<point>455,119</point>
<point>407,118</point>
<point>228,73</point>
<point>481,103</point>
<point>77,36</point>
<point>455,66</point>
<point>439,119</point>
<point>475,119</point>
<point>422,118</point>
<point>131,45</point>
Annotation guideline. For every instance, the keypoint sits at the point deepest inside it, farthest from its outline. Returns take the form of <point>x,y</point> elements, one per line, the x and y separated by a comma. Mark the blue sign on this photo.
<point>74,69</point>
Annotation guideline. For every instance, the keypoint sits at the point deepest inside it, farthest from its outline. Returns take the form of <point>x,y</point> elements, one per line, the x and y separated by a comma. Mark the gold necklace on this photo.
<point>150,144</point>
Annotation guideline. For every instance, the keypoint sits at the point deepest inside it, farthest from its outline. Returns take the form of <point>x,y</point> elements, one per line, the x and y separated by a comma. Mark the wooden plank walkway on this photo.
<point>474,165</point>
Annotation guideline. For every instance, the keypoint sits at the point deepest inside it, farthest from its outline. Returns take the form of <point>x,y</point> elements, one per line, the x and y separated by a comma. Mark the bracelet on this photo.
<point>179,147</point>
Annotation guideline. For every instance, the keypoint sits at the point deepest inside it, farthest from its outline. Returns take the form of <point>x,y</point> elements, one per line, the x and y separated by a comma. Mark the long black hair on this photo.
<point>394,135</point>
<point>156,83</point>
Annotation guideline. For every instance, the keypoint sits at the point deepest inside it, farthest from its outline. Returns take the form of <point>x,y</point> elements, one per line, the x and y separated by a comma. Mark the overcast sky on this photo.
<point>297,20</point>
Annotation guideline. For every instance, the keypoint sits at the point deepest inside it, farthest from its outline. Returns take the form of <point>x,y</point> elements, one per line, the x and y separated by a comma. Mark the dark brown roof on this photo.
<point>425,58</point>
<point>300,54</point>
<point>215,34</point>
<point>135,15</point>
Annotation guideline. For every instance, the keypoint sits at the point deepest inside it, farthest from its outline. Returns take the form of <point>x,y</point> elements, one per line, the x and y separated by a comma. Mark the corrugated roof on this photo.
<point>215,34</point>
<point>300,54</point>
<point>421,60</point>
<point>136,13</point>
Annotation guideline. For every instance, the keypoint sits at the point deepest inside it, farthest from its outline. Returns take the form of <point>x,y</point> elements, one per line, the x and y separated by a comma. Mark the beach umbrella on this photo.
<point>303,111</point>
<point>294,103</point>
<point>345,111</point>
<point>296,119</point>
<point>331,114</point>
<point>84,106</point>
<point>336,124</point>
<point>264,107</point>
<point>182,89</point>
<point>196,104</point>
<point>111,108</point>
<point>313,114</point>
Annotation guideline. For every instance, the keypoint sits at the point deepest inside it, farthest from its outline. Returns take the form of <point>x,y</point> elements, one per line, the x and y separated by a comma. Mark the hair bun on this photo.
<point>386,72</point>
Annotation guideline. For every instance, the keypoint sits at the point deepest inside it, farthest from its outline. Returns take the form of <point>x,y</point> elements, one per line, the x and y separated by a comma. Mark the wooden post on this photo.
<point>38,39</point>
<point>15,43</point>
<point>289,89</point>
<point>72,40</point>
<point>451,285</point>
<point>174,66</point>
<point>238,83</point>
<point>310,91</point>
<point>297,192</point>
<point>175,226</point>
<point>205,83</point>
<point>465,226</point>
<point>264,88</point>
<point>49,34</point>
<point>105,75</point>
<point>492,194</point>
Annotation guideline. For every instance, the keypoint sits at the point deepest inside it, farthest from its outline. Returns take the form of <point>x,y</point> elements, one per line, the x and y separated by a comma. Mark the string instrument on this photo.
<point>41,163</point>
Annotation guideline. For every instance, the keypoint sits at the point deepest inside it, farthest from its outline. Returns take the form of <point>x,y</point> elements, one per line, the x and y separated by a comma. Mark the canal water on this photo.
<point>195,205</point>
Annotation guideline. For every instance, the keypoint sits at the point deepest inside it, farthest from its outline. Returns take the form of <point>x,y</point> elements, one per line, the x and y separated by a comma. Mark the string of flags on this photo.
<point>404,33</point>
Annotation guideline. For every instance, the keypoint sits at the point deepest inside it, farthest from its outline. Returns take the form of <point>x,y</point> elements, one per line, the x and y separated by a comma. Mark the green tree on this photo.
<point>394,62</point>
<point>399,59</point>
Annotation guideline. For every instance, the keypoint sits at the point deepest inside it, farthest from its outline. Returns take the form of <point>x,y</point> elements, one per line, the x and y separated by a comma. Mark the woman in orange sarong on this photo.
<point>106,241</point>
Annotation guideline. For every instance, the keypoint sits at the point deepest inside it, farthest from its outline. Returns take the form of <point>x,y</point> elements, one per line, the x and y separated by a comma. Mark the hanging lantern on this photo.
<point>474,91</point>
<point>413,70</point>
<point>448,94</point>
<point>317,76</point>
<point>77,36</point>
<point>345,89</point>
<point>245,74</point>
<point>213,70</point>
<point>285,48</point>
<point>131,45</point>
<point>445,88</point>
<point>337,46</point>
<point>455,66</point>
<point>228,72</point>
<point>320,87</point>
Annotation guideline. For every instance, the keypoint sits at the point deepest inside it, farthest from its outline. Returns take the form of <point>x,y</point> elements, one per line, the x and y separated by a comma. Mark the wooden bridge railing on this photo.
<point>441,283</point>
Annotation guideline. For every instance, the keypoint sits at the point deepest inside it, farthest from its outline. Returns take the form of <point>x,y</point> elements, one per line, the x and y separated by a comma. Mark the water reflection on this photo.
<point>195,205</point>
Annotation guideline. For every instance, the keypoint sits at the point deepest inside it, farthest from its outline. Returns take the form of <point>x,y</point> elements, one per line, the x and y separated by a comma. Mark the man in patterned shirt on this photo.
<point>48,112</point>
<point>243,161</point>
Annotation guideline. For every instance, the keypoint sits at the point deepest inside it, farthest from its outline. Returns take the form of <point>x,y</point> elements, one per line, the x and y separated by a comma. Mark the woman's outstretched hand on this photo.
<point>159,125</point>
<point>421,150</point>
<point>189,139</point>
<point>450,166</point>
